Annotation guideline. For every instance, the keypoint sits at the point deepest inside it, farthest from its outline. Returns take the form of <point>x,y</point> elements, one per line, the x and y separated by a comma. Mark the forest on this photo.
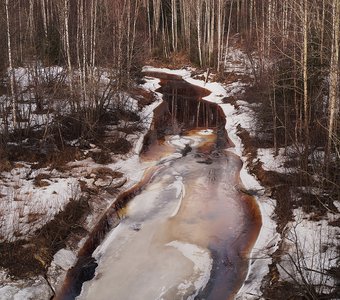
<point>66,68</point>
<point>297,43</point>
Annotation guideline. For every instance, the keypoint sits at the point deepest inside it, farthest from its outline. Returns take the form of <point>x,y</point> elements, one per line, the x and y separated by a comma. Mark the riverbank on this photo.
<point>97,176</point>
<point>298,247</point>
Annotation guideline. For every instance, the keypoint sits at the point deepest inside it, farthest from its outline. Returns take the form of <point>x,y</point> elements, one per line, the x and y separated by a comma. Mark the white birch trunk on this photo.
<point>44,17</point>
<point>10,65</point>
<point>67,36</point>
<point>334,77</point>
<point>228,35</point>
<point>199,36</point>
<point>304,7</point>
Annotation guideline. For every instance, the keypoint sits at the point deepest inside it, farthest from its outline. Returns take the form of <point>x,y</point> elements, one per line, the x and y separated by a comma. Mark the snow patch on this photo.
<point>37,289</point>
<point>206,132</point>
<point>64,259</point>
<point>311,249</point>
<point>181,142</point>
<point>272,162</point>
<point>26,207</point>
<point>202,265</point>
<point>180,193</point>
<point>260,258</point>
<point>337,205</point>
<point>183,72</point>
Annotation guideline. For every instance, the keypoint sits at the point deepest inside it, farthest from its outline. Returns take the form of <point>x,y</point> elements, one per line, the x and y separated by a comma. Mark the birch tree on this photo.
<point>304,13</point>
<point>174,25</point>
<point>334,77</point>
<point>10,64</point>
<point>198,27</point>
<point>66,38</point>
<point>220,32</point>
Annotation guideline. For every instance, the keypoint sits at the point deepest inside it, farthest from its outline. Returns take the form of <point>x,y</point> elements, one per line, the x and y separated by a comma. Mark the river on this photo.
<point>189,232</point>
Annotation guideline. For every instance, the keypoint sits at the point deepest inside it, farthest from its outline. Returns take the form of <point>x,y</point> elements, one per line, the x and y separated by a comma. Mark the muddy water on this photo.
<point>189,232</point>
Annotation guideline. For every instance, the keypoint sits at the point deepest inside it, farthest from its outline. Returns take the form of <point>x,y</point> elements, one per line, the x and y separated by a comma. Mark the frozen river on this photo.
<point>187,234</point>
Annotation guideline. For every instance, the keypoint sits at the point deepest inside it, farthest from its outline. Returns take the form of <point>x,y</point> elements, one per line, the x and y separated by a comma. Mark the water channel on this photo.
<point>188,233</point>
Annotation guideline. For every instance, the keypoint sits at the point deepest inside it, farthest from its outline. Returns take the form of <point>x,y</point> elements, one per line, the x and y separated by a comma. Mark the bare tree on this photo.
<point>333,78</point>
<point>10,64</point>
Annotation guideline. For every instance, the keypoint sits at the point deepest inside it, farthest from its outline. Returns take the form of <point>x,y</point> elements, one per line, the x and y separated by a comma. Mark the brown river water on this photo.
<point>187,233</point>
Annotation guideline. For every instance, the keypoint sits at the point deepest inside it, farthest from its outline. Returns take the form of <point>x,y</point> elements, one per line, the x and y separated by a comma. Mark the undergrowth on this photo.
<point>26,258</point>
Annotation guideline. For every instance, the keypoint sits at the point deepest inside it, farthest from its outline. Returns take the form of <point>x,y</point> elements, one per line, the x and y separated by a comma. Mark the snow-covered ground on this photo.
<point>310,248</point>
<point>26,206</point>
<point>238,62</point>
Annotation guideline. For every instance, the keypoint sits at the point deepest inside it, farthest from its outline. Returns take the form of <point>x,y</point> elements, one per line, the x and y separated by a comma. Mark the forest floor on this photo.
<point>50,203</point>
<point>306,259</point>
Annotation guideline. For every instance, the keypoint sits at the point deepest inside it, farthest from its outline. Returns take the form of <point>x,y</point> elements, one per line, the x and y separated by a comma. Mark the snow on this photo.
<point>36,292</point>
<point>237,62</point>
<point>27,80</point>
<point>58,192</point>
<point>181,142</point>
<point>37,289</point>
<point>169,158</point>
<point>337,205</point>
<point>206,132</point>
<point>260,258</point>
<point>314,245</point>
<point>180,193</point>
<point>178,269</point>
<point>202,265</point>
<point>23,75</point>
<point>25,207</point>
<point>146,116</point>
<point>151,84</point>
<point>7,292</point>
<point>182,72</point>
<point>64,258</point>
<point>218,92</point>
<point>270,161</point>
<point>311,236</point>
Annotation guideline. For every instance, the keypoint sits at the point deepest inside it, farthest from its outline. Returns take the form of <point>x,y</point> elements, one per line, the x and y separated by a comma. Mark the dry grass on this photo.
<point>103,172</point>
<point>120,146</point>
<point>102,157</point>
<point>176,60</point>
<point>143,96</point>
<point>40,180</point>
<point>5,164</point>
